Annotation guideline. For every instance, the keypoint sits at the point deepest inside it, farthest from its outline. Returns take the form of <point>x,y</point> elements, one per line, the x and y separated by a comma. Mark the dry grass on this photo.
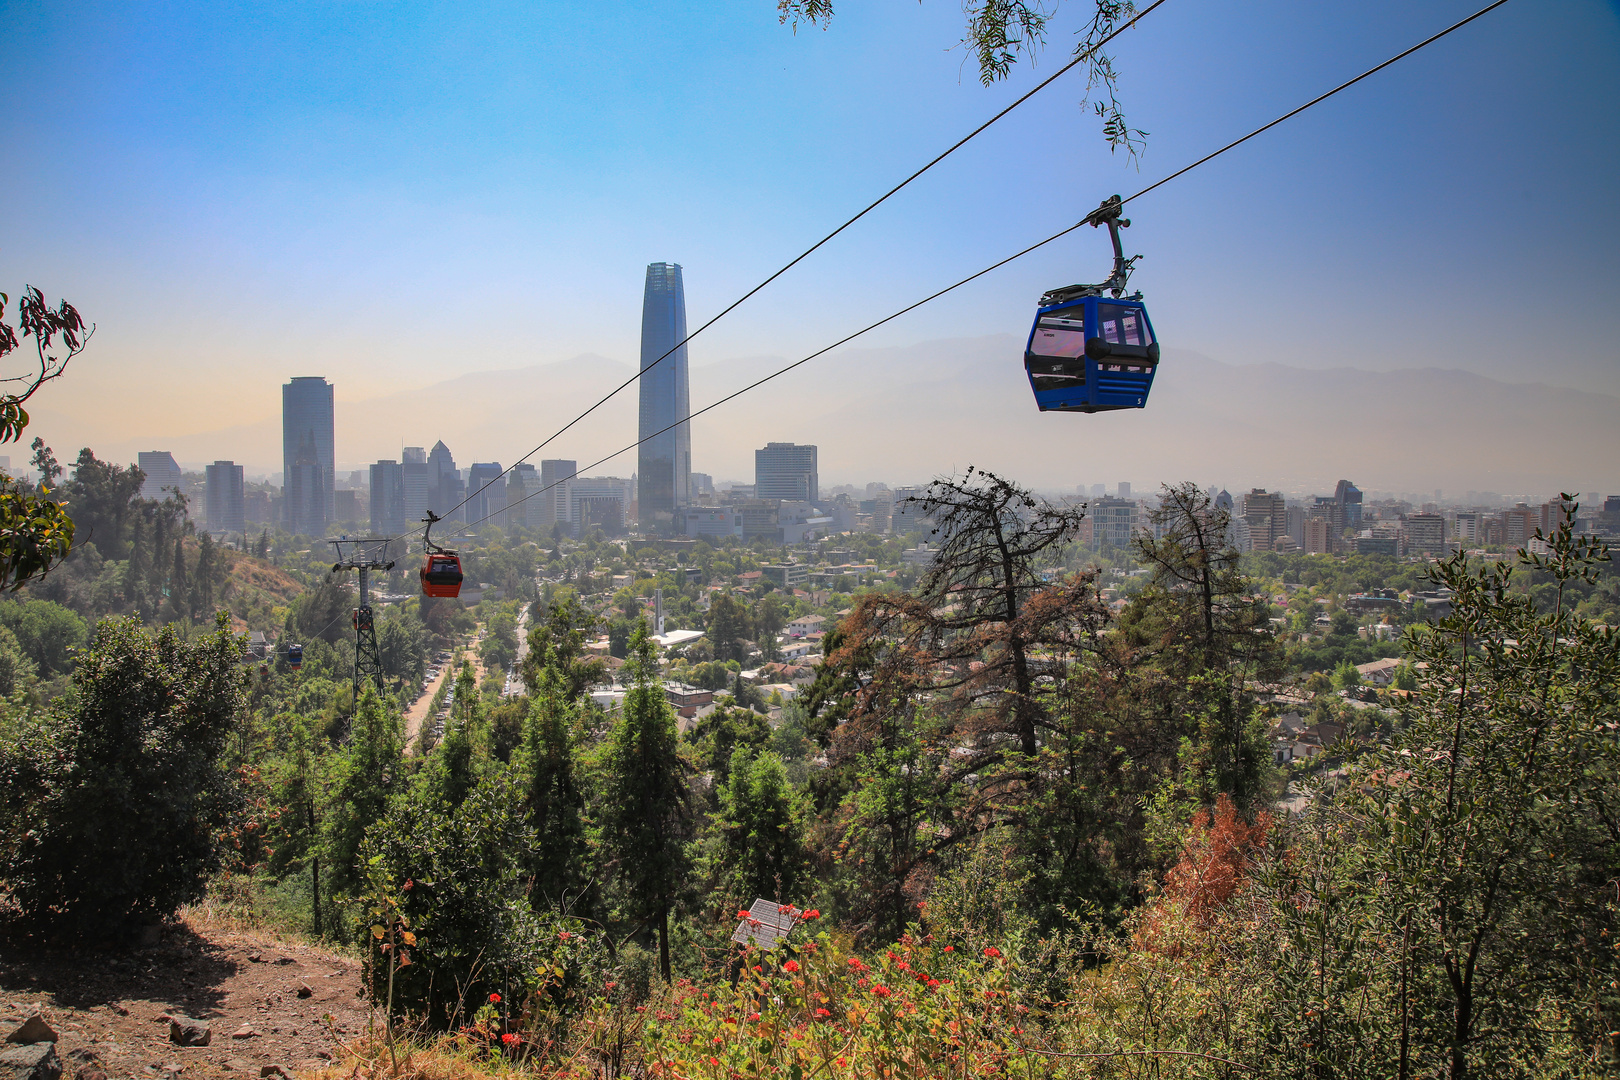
<point>233,906</point>
<point>443,1058</point>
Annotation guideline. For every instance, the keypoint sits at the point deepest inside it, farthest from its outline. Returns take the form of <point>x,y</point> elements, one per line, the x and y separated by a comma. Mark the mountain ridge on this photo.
<point>907,413</point>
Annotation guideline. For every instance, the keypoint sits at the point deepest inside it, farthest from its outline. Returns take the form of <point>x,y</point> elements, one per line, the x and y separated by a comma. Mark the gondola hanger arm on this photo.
<point>1108,214</point>
<point>427,535</point>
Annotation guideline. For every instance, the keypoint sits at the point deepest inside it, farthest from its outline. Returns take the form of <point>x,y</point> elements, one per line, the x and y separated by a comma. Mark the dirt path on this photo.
<point>299,1002</point>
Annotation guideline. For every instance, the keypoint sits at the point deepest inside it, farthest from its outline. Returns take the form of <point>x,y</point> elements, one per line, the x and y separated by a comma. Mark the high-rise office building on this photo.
<point>1609,516</point>
<point>664,462</point>
<point>162,475</point>
<point>307,444</point>
<point>445,489</point>
<point>1124,489</point>
<point>225,498</point>
<point>486,494</point>
<point>522,496</point>
<point>1319,536</point>
<point>1331,512</point>
<point>345,506</point>
<point>1424,533</point>
<point>554,476</point>
<point>387,498</point>
<point>1348,496</point>
<point>786,471</point>
<point>1114,521</point>
<point>416,479</point>
<point>598,502</point>
<point>1267,515</point>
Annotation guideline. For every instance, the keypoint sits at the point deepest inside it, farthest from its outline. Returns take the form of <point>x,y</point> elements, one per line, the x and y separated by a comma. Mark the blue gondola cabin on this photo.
<point>1090,353</point>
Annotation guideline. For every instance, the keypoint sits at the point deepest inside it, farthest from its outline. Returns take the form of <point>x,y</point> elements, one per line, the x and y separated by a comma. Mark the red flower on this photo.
<point>881,991</point>
<point>714,1060</point>
<point>509,1038</point>
<point>933,984</point>
<point>991,951</point>
<point>753,1018</point>
<point>823,1012</point>
<point>791,966</point>
<point>811,914</point>
<point>741,914</point>
<point>950,948</point>
<point>855,964</point>
<point>408,884</point>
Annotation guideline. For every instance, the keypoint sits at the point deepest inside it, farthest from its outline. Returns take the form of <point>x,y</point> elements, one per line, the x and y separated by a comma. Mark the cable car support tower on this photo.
<point>364,555</point>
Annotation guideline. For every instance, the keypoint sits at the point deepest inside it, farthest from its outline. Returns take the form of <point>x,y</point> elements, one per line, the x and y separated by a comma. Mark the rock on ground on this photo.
<point>33,1061</point>
<point>184,1031</point>
<point>32,1030</point>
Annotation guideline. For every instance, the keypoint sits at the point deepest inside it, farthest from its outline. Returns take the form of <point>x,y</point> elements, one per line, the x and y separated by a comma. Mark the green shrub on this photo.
<point>110,803</point>
<point>451,871</point>
<point>47,633</point>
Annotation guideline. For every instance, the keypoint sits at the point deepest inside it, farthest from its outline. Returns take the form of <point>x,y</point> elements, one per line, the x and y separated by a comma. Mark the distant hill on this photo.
<point>904,414</point>
<point>254,591</point>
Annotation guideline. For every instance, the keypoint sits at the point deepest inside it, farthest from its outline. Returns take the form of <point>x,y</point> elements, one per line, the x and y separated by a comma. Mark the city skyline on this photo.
<point>786,480</point>
<point>1243,418</point>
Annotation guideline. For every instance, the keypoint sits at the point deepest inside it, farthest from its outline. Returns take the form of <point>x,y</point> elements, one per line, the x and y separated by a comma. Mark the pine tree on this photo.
<point>207,568</point>
<point>761,849</point>
<point>552,795</point>
<point>160,552</point>
<point>365,775</point>
<point>296,783</point>
<point>646,812</point>
<point>728,626</point>
<point>179,591</point>
<point>135,570</point>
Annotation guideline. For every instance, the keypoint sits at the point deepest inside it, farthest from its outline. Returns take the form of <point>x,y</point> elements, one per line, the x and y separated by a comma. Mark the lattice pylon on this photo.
<point>367,657</point>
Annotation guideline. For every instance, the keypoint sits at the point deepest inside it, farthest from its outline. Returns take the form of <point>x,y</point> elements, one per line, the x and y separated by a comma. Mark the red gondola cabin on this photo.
<point>441,574</point>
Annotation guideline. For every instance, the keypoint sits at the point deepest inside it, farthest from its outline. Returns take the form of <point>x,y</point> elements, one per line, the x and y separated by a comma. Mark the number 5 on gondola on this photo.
<point>1090,352</point>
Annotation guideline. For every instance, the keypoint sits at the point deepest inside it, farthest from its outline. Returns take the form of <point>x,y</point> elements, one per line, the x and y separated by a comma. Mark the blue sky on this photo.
<point>390,194</point>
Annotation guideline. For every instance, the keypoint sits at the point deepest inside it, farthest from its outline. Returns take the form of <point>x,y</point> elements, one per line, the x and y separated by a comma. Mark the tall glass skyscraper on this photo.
<point>665,462</point>
<point>307,455</point>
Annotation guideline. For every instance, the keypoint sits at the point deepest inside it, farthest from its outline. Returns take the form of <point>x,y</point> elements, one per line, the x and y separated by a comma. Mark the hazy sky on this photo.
<point>393,194</point>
